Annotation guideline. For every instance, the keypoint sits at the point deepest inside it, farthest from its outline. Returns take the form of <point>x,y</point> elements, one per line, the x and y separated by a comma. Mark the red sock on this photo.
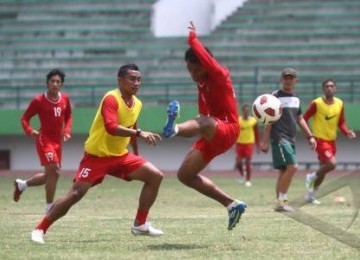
<point>44,224</point>
<point>141,216</point>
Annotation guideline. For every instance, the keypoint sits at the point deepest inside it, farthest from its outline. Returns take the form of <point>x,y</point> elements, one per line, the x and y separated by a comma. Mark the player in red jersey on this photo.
<point>217,124</point>
<point>54,112</point>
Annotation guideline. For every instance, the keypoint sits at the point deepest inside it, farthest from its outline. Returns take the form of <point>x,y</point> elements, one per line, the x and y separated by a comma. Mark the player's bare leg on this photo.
<point>323,170</point>
<point>52,172</point>
<point>314,180</point>
<point>152,178</point>
<point>282,187</point>
<point>239,167</point>
<point>59,209</point>
<point>20,185</point>
<point>37,180</point>
<point>62,205</point>
<point>248,172</point>
<point>189,175</point>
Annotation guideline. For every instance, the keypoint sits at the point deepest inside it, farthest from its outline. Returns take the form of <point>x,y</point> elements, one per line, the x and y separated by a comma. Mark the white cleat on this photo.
<point>310,198</point>
<point>146,230</point>
<point>248,184</point>
<point>37,236</point>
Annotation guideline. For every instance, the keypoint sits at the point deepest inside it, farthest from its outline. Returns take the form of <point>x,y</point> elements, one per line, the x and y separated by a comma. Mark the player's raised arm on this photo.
<point>204,55</point>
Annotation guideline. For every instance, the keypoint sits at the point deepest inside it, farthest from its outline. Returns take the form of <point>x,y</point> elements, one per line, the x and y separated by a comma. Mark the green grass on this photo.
<point>195,227</point>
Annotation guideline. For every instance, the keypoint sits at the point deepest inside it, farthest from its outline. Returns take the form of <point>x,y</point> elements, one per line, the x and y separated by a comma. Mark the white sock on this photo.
<point>282,196</point>
<point>313,176</point>
<point>21,184</point>
<point>176,129</point>
<point>48,207</point>
<point>232,204</point>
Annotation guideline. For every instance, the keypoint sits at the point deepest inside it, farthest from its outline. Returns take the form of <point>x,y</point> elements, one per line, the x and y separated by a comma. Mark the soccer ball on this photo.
<point>267,109</point>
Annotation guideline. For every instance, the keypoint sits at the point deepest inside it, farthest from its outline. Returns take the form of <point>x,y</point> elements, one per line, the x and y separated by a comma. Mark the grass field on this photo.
<point>195,227</point>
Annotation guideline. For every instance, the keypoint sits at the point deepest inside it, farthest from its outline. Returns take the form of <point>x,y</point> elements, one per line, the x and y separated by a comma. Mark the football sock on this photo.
<point>44,224</point>
<point>282,196</point>
<point>313,176</point>
<point>176,129</point>
<point>22,185</point>
<point>141,216</point>
<point>231,205</point>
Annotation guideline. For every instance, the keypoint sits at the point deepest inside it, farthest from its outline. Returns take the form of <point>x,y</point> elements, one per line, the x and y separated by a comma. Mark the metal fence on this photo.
<point>185,92</point>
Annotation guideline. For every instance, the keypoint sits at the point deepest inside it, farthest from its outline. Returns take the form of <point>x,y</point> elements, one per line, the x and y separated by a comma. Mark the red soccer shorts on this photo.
<point>244,150</point>
<point>93,169</point>
<point>325,150</point>
<point>225,136</point>
<point>48,150</point>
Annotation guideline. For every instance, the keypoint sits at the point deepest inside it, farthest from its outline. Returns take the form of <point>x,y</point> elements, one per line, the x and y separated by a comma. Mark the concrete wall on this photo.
<point>167,155</point>
<point>171,17</point>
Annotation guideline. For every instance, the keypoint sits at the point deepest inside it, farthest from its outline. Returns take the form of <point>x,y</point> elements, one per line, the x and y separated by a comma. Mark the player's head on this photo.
<point>54,80</point>
<point>55,72</point>
<point>329,87</point>
<point>129,79</point>
<point>288,79</point>
<point>246,110</point>
<point>194,66</point>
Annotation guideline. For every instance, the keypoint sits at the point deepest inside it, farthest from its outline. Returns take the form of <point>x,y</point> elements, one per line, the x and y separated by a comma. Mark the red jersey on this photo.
<point>55,117</point>
<point>216,96</point>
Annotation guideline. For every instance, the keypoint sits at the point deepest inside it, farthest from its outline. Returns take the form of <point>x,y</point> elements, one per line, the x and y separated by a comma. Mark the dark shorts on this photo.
<point>283,154</point>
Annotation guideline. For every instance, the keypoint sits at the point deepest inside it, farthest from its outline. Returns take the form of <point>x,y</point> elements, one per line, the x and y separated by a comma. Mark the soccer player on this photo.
<point>249,135</point>
<point>217,124</point>
<point>282,134</point>
<point>113,128</point>
<point>54,111</point>
<point>327,113</point>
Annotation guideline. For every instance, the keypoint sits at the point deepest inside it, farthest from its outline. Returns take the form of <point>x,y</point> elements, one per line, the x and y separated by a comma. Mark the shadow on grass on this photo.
<point>169,247</point>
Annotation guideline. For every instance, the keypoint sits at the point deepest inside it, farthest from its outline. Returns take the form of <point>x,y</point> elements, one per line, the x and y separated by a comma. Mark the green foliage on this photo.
<point>195,227</point>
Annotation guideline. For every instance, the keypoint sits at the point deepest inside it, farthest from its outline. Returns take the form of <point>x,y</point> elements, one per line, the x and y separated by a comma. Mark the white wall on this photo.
<point>167,155</point>
<point>171,17</point>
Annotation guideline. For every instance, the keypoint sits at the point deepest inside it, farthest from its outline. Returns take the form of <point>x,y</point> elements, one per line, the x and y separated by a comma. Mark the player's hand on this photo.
<point>264,147</point>
<point>34,133</point>
<point>66,137</point>
<point>150,138</point>
<point>312,143</point>
<point>192,27</point>
<point>351,134</point>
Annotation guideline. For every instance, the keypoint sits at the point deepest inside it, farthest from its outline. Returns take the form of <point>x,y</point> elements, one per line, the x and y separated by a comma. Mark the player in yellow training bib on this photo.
<point>112,130</point>
<point>327,113</point>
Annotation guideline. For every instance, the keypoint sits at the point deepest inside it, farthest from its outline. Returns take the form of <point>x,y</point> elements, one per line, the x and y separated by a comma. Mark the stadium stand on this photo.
<point>90,39</point>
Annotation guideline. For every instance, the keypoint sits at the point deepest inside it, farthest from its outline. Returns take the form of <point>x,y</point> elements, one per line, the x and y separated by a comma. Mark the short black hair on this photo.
<point>124,69</point>
<point>190,55</point>
<point>326,81</point>
<point>246,106</point>
<point>55,72</point>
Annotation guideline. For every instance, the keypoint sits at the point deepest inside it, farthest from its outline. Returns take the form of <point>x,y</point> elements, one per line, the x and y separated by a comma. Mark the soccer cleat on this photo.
<point>173,111</point>
<point>37,236</point>
<point>309,183</point>
<point>235,214</point>
<point>248,184</point>
<point>282,206</point>
<point>17,191</point>
<point>146,230</point>
<point>310,198</point>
